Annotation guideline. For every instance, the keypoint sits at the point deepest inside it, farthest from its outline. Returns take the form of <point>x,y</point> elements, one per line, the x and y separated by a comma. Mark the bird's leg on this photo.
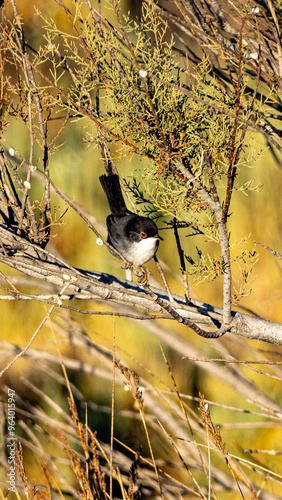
<point>128,272</point>
<point>143,276</point>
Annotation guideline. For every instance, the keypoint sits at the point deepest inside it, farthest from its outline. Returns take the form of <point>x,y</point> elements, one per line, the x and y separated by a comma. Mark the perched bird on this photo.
<point>135,237</point>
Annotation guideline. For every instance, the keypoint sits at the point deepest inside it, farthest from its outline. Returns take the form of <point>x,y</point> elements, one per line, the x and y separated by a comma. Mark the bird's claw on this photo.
<point>144,276</point>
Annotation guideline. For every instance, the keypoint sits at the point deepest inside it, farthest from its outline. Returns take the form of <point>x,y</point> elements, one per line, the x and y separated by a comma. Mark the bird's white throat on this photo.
<point>142,251</point>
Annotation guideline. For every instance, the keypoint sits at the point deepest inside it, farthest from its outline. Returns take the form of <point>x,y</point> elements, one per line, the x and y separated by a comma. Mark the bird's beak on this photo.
<point>158,237</point>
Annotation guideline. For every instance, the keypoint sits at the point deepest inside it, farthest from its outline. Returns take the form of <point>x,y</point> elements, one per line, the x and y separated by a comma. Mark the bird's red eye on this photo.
<point>144,235</point>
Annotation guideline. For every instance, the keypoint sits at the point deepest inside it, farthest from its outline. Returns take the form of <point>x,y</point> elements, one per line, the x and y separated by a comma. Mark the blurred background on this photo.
<point>240,409</point>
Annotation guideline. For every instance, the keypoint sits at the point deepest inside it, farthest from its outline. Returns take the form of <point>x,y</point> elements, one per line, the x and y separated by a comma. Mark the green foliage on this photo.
<point>127,85</point>
<point>246,262</point>
<point>127,80</point>
<point>206,268</point>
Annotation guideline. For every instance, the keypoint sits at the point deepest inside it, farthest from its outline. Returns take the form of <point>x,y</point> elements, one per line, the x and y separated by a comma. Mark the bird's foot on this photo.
<point>143,277</point>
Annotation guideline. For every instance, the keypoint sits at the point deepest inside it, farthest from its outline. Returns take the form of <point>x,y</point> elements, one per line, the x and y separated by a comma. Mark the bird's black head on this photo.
<point>140,228</point>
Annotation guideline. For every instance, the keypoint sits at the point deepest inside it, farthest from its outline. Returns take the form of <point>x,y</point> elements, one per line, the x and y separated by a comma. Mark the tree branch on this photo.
<point>42,265</point>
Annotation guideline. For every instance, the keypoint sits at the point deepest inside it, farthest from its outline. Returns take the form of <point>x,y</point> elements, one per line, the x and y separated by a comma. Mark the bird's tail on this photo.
<point>111,186</point>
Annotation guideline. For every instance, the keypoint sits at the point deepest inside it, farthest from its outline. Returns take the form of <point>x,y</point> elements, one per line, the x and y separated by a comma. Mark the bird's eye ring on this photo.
<point>144,235</point>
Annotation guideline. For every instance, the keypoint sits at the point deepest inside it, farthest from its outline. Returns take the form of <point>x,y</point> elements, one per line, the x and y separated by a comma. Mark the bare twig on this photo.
<point>274,252</point>
<point>182,261</point>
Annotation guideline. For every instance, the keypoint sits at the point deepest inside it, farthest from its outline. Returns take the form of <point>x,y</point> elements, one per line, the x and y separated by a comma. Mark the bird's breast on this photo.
<point>142,251</point>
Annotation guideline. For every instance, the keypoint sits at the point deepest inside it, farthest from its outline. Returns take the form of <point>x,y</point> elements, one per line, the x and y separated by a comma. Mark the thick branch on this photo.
<point>37,263</point>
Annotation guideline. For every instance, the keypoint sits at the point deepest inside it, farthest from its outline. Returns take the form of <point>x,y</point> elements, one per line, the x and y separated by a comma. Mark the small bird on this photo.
<point>135,237</point>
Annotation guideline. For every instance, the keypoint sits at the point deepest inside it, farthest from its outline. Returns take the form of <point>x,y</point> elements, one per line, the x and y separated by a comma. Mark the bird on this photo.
<point>135,237</point>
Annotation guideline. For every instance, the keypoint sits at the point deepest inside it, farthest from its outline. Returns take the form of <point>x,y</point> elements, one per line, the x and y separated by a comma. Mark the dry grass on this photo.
<point>177,450</point>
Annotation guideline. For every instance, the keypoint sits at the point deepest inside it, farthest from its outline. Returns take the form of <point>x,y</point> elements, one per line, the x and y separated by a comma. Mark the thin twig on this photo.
<point>163,278</point>
<point>231,174</point>
<point>112,411</point>
<point>185,321</point>
<point>182,261</point>
<point>274,252</point>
